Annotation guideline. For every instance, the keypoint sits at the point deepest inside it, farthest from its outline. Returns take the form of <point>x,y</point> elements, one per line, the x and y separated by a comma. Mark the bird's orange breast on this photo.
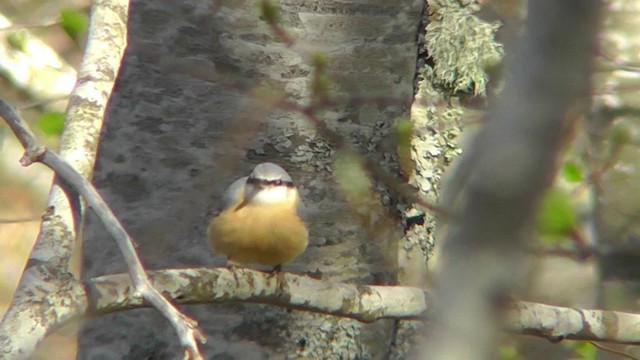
<point>268,235</point>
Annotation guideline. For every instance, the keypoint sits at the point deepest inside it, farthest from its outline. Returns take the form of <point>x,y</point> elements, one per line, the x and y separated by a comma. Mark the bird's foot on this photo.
<point>234,267</point>
<point>276,269</point>
<point>277,273</point>
<point>317,274</point>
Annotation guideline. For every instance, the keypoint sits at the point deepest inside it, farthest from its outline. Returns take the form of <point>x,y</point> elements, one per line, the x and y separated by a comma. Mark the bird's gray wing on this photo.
<point>233,194</point>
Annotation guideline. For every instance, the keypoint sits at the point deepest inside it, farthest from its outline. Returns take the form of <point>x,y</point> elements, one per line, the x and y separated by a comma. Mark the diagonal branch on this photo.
<point>48,294</point>
<point>40,288</point>
<point>186,328</point>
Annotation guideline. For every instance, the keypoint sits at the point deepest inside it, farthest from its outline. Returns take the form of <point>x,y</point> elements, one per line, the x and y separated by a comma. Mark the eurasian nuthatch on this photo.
<point>259,220</point>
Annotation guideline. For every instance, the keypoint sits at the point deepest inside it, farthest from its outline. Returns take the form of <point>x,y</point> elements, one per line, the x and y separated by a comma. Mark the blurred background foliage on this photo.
<point>41,45</point>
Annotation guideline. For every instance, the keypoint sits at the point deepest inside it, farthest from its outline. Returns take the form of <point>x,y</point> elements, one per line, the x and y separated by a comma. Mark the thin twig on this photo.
<point>320,100</point>
<point>613,351</point>
<point>18,220</point>
<point>15,27</point>
<point>620,64</point>
<point>271,14</point>
<point>42,102</point>
<point>186,328</point>
<point>372,166</point>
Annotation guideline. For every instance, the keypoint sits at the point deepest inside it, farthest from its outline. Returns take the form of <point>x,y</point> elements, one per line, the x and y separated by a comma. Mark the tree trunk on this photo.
<point>188,117</point>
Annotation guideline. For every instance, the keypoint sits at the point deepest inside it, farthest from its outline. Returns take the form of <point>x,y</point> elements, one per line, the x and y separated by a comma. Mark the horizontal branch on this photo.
<point>557,323</point>
<point>365,303</point>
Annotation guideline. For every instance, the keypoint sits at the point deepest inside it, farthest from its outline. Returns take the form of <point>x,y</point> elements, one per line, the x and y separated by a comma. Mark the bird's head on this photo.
<point>269,184</point>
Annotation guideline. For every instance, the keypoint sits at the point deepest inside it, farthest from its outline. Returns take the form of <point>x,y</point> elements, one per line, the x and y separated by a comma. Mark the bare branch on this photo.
<point>365,303</point>
<point>43,24</point>
<point>557,323</point>
<point>185,327</point>
<point>397,185</point>
<point>18,126</point>
<point>18,220</point>
<point>502,175</point>
<point>42,102</point>
<point>48,294</point>
<point>613,351</point>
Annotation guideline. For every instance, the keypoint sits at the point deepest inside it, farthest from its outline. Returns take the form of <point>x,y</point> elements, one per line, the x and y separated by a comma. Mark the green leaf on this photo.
<point>404,134</point>
<point>584,350</point>
<point>17,40</point>
<point>572,172</point>
<point>319,61</point>
<point>404,128</point>
<point>356,186</point>
<point>320,86</point>
<point>351,176</point>
<point>618,138</point>
<point>74,23</point>
<point>269,12</point>
<point>556,216</point>
<point>509,352</point>
<point>51,123</point>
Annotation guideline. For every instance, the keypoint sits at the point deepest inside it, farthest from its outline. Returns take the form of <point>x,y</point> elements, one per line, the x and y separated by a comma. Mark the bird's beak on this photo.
<point>242,204</point>
<point>248,196</point>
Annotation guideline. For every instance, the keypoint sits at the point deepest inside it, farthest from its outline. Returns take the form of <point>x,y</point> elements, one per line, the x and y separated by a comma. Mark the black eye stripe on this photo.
<point>265,182</point>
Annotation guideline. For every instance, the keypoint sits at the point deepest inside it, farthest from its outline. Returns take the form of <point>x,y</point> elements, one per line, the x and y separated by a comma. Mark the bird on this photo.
<point>259,220</point>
